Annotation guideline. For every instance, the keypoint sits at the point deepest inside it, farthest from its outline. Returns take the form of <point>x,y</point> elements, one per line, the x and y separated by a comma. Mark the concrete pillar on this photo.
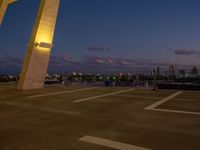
<point>35,65</point>
<point>3,7</point>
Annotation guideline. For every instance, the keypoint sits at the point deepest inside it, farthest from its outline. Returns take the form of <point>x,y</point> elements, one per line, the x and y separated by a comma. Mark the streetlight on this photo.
<point>154,78</point>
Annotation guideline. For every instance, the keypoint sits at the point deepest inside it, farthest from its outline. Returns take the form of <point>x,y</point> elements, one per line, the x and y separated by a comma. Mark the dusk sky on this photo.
<point>108,35</point>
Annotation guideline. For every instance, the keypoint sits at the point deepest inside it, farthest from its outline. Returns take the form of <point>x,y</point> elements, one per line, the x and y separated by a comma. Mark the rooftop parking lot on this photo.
<point>98,118</point>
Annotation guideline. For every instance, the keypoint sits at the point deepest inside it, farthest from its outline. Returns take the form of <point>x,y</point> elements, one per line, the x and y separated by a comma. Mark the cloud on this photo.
<point>54,60</point>
<point>109,64</point>
<point>145,59</point>
<point>117,62</point>
<point>63,59</point>
<point>185,52</point>
<point>2,63</point>
<point>89,60</point>
<point>4,51</point>
<point>97,48</point>
<point>10,65</point>
<point>64,62</point>
<point>15,60</point>
<point>161,64</point>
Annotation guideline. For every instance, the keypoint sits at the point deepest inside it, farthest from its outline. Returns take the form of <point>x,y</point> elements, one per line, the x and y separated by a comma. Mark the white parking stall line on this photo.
<point>156,104</point>
<point>104,95</point>
<point>176,111</point>
<point>61,92</point>
<point>32,107</point>
<point>110,143</point>
<point>145,97</point>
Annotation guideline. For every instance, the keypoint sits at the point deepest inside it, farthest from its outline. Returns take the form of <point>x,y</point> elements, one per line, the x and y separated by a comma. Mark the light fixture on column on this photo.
<point>44,45</point>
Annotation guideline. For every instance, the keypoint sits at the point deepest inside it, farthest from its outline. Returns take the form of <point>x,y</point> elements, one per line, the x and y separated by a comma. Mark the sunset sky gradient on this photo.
<point>108,35</point>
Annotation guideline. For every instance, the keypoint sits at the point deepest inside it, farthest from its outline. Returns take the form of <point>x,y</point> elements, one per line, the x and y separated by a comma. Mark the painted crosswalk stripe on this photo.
<point>104,95</point>
<point>110,143</point>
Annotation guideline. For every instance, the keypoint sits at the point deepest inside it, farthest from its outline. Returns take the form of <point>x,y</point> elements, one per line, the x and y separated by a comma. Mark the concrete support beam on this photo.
<point>39,48</point>
<point>3,7</point>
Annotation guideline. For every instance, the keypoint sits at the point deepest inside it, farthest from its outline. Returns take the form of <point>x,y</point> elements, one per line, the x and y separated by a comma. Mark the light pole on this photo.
<point>154,78</point>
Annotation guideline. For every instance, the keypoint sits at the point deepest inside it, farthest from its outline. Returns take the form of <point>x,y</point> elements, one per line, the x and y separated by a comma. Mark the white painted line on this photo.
<point>145,97</point>
<point>110,143</point>
<point>104,95</point>
<point>176,111</point>
<point>156,104</point>
<point>186,100</point>
<point>61,92</point>
<point>31,107</point>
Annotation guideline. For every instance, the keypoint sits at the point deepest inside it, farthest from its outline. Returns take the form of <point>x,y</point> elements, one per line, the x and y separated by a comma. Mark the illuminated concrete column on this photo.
<point>37,58</point>
<point>3,7</point>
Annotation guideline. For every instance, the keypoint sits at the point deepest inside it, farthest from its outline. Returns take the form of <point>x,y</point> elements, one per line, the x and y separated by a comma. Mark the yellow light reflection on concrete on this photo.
<point>42,49</point>
<point>44,36</point>
<point>11,1</point>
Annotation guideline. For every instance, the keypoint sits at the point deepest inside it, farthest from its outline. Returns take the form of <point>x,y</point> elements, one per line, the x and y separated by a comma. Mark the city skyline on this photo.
<point>108,35</point>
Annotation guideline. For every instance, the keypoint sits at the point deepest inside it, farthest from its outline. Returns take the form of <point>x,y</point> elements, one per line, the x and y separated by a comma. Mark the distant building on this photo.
<point>182,72</point>
<point>171,71</point>
<point>158,71</point>
<point>194,71</point>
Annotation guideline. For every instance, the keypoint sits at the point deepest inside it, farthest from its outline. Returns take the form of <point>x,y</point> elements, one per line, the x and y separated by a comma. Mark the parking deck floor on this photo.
<point>98,118</point>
